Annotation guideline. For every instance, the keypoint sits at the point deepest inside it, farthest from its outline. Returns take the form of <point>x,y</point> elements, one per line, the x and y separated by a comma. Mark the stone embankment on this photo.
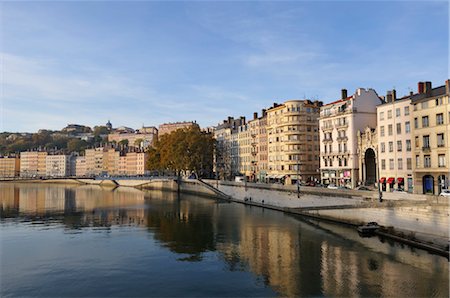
<point>415,219</point>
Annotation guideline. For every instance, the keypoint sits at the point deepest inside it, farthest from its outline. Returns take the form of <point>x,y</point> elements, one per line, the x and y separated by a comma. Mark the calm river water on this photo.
<point>66,241</point>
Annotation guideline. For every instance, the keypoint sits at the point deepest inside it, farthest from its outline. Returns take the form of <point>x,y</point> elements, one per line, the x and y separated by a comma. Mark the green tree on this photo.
<point>76,145</point>
<point>124,143</point>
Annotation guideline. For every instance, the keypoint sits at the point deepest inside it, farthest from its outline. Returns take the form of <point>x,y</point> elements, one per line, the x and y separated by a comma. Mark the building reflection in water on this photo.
<point>294,257</point>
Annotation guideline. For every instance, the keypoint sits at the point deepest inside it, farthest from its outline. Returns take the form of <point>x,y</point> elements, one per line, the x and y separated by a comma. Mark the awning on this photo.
<point>391,180</point>
<point>382,179</point>
<point>400,180</point>
<point>279,176</point>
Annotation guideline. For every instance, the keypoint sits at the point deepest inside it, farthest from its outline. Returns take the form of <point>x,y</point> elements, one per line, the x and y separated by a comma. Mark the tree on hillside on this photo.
<point>76,145</point>
<point>184,149</point>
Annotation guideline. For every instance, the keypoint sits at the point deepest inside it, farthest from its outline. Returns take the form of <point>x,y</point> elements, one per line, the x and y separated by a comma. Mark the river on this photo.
<point>66,241</point>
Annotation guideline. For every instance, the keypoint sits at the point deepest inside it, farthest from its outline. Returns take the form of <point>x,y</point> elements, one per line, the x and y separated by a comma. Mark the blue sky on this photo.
<point>148,63</point>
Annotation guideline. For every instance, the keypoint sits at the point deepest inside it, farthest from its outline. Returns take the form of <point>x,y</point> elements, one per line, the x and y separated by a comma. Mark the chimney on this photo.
<point>255,115</point>
<point>229,119</point>
<point>447,86</point>
<point>428,88</point>
<point>394,95</point>
<point>263,112</point>
<point>275,104</point>
<point>389,96</point>
<point>344,93</point>
<point>411,93</point>
<point>420,87</point>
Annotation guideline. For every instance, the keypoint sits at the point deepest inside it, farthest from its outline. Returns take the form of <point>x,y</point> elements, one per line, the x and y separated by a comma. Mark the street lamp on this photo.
<point>298,176</point>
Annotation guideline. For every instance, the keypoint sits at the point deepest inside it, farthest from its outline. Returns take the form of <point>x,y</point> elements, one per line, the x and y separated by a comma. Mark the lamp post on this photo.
<point>380,194</point>
<point>298,176</point>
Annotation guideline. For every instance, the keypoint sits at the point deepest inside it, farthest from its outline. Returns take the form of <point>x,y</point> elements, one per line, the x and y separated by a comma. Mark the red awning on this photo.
<point>400,180</point>
<point>391,180</point>
<point>382,179</point>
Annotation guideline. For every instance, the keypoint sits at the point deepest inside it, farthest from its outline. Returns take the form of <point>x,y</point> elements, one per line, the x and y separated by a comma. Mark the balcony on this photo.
<point>341,125</point>
<point>426,149</point>
<point>326,140</point>
<point>341,139</point>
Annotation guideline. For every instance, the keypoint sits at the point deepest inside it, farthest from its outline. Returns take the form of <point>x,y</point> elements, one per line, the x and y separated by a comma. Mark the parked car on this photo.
<point>332,186</point>
<point>445,193</point>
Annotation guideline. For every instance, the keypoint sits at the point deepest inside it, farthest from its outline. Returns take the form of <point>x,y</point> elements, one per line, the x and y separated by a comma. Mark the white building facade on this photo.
<point>339,123</point>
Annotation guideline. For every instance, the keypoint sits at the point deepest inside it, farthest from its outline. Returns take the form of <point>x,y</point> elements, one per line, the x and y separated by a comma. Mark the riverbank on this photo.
<point>420,221</point>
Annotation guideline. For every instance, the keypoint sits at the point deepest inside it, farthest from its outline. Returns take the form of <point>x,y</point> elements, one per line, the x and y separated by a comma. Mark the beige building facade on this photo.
<point>430,136</point>
<point>33,164</point>
<point>169,127</point>
<point>9,166</point>
<point>258,134</point>
<point>394,143</point>
<point>57,165</point>
<point>293,141</point>
<point>94,161</point>
<point>139,139</point>
<point>340,122</point>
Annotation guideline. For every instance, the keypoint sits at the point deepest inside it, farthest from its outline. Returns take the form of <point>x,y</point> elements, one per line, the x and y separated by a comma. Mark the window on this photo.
<point>397,112</point>
<point>406,110</point>
<point>440,140</point>
<point>399,128</point>
<point>345,147</point>
<point>345,162</point>
<point>424,104</point>
<point>439,101</point>
<point>408,145</point>
<point>340,162</point>
<point>399,145</point>
<point>425,122</point>
<point>427,161</point>
<point>383,164</point>
<point>391,164</point>
<point>382,131</point>
<point>416,141</point>
<point>416,123</point>
<point>426,141</point>
<point>390,129</point>
<point>383,147</point>
<point>400,163</point>
<point>389,114</point>
<point>439,119</point>
<point>391,146</point>
<point>325,147</point>
<point>408,164</point>
<point>407,127</point>
<point>325,162</point>
<point>441,160</point>
<point>381,115</point>
<point>329,148</point>
<point>417,161</point>
<point>339,148</point>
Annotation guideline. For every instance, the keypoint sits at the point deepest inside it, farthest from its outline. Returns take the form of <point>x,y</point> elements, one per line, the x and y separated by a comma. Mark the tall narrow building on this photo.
<point>293,141</point>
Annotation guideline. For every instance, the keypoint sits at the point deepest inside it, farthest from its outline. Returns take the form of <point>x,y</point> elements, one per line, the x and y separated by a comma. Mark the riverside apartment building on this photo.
<point>339,123</point>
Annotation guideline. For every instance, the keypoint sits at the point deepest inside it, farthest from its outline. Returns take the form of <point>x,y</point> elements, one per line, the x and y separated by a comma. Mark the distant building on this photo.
<point>430,131</point>
<point>33,164</point>
<point>57,165</point>
<point>340,122</point>
<point>143,138</point>
<point>94,161</point>
<point>226,152</point>
<point>9,166</point>
<point>80,166</point>
<point>169,127</point>
<point>109,125</point>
